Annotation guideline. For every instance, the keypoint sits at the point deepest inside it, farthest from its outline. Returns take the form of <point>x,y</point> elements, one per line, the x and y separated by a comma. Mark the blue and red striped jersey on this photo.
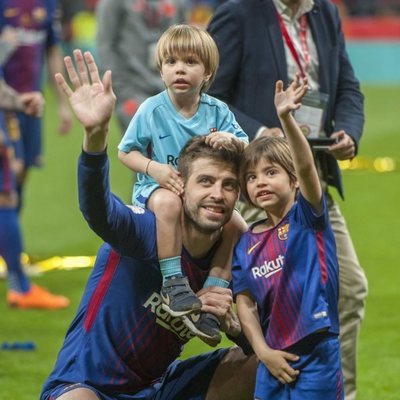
<point>36,29</point>
<point>291,271</point>
<point>121,339</point>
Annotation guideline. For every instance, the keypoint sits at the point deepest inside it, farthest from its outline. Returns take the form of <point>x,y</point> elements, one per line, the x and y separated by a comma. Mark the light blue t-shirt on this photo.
<point>159,132</point>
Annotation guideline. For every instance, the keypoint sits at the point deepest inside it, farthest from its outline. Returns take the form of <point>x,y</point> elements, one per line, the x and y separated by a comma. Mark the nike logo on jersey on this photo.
<point>252,248</point>
<point>161,137</point>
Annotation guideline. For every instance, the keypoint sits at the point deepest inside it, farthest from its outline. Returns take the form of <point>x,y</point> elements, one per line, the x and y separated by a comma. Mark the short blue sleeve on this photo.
<point>138,134</point>
<point>239,280</point>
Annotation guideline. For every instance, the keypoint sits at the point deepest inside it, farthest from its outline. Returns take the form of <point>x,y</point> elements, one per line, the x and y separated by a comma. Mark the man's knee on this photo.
<point>79,394</point>
<point>234,378</point>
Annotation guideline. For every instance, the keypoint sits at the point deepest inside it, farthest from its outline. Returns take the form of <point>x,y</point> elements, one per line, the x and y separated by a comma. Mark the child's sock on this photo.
<point>170,267</point>
<point>11,248</point>
<point>214,281</point>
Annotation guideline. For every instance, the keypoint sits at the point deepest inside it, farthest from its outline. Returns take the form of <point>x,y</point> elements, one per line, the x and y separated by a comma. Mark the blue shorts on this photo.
<point>140,197</point>
<point>320,373</point>
<point>184,379</point>
<point>29,146</point>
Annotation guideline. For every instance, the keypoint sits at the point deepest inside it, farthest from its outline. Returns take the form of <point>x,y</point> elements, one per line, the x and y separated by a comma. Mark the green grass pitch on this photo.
<point>53,226</point>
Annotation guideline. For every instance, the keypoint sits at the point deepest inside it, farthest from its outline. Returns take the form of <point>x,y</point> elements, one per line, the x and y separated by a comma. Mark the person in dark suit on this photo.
<point>262,41</point>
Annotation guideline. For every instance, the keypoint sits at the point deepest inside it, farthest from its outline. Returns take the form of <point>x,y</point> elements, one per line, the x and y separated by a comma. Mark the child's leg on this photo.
<point>167,208</point>
<point>178,298</point>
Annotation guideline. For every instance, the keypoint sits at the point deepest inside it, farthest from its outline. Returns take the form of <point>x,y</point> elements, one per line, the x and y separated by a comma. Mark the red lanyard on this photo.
<point>303,41</point>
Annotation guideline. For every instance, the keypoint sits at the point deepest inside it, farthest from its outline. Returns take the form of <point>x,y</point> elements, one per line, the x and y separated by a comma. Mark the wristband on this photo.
<point>147,167</point>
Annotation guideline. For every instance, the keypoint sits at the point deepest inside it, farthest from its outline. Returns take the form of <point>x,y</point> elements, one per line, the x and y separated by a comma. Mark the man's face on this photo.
<point>211,191</point>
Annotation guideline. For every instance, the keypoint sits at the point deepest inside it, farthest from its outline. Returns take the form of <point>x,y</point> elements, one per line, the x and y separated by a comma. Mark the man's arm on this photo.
<point>218,301</point>
<point>9,98</point>
<point>30,103</point>
<point>126,231</point>
<point>92,100</point>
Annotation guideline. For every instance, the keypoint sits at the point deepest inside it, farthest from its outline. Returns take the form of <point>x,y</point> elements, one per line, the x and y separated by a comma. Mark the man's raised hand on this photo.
<point>91,99</point>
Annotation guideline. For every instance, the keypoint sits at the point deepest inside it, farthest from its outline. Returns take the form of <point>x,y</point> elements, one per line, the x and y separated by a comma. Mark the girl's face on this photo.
<point>183,75</point>
<point>269,187</point>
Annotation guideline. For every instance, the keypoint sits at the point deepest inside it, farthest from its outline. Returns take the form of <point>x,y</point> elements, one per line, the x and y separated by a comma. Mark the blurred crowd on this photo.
<point>363,8</point>
<point>78,16</point>
<point>78,20</point>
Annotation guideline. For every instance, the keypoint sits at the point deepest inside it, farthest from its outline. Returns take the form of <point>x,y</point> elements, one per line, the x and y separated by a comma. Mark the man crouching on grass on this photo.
<point>122,344</point>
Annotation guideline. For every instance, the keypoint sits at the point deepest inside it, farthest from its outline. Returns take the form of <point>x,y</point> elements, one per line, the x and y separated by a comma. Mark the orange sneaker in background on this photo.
<point>36,297</point>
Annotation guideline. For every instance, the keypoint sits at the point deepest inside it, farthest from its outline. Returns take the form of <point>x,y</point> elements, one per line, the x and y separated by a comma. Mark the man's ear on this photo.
<point>238,195</point>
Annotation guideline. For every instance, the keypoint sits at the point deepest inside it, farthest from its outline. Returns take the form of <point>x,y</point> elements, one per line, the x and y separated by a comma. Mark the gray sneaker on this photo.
<point>178,298</point>
<point>205,326</point>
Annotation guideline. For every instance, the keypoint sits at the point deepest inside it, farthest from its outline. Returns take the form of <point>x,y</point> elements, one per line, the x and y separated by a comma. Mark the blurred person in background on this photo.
<point>78,24</point>
<point>69,9</point>
<point>342,8</point>
<point>201,11</point>
<point>36,31</point>
<point>127,33</point>
<point>261,42</point>
<point>21,292</point>
<point>370,8</point>
<point>360,8</point>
